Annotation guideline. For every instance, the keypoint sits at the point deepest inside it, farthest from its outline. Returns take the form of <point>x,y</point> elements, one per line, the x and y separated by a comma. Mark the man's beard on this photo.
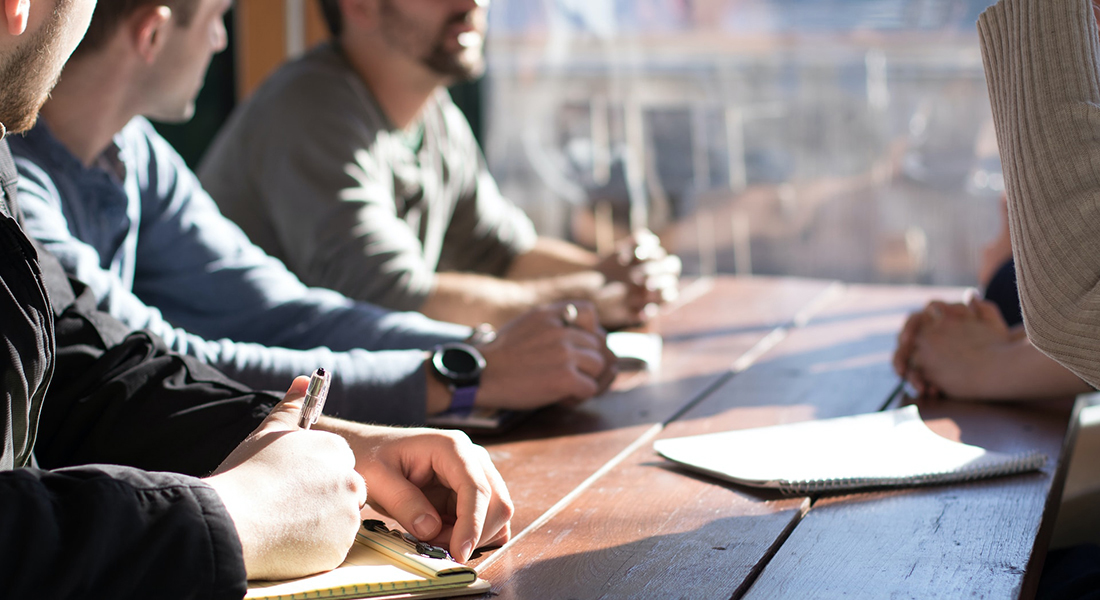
<point>457,67</point>
<point>28,75</point>
<point>401,33</point>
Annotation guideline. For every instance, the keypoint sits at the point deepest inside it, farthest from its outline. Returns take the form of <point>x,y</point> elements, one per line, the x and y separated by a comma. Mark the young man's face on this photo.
<point>446,36</point>
<point>31,63</point>
<point>181,66</point>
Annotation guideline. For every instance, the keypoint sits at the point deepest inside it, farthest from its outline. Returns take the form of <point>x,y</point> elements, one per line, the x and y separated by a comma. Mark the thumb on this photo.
<point>285,415</point>
<point>988,311</point>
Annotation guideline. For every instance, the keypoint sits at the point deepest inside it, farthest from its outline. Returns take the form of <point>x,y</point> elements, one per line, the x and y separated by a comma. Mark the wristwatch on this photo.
<point>459,366</point>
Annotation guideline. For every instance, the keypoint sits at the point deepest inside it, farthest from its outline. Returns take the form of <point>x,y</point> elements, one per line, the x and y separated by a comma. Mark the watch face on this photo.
<point>459,363</point>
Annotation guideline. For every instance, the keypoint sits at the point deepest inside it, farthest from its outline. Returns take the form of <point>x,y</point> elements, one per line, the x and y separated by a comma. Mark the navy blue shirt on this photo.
<point>140,231</point>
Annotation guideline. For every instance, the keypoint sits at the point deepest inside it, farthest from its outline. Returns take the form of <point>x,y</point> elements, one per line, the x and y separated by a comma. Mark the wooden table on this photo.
<point>599,515</point>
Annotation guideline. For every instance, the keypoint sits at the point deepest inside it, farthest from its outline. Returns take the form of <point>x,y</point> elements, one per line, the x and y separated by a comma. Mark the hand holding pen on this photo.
<point>294,496</point>
<point>463,505</point>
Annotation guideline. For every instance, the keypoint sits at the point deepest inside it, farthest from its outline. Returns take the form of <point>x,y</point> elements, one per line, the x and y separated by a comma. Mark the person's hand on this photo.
<point>540,359</point>
<point>294,495</point>
<point>957,350</point>
<point>438,485</point>
<point>904,351</point>
<point>903,360</point>
<point>640,275</point>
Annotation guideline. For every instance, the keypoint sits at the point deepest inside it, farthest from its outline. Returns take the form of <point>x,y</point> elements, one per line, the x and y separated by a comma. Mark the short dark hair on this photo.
<point>330,9</point>
<point>109,14</point>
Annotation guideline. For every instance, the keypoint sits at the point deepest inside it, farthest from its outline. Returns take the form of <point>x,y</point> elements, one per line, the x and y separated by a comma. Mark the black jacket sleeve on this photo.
<point>115,532</point>
<point>122,397</point>
<point>100,531</point>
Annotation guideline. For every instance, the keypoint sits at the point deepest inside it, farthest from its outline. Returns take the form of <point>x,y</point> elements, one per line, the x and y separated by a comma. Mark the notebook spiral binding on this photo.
<point>1029,461</point>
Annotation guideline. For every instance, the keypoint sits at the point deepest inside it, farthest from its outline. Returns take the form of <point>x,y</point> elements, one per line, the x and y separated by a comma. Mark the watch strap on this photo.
<point>462,399</point>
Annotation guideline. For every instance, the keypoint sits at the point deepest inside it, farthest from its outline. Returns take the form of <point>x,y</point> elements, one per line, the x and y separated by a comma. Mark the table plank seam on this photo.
<point>742,363</point>
<point>758,568</point>
<point>577,491</point>
<point>765,344</point>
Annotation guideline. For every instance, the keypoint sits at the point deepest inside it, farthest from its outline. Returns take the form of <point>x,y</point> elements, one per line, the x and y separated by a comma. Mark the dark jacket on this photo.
<point>119,397</point>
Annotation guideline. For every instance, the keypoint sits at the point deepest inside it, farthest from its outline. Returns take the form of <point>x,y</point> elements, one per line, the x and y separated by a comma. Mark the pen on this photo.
<point>314,402</point>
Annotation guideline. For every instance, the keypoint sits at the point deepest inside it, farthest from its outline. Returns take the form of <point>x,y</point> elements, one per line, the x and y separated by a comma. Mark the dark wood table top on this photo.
<point>600,515</point>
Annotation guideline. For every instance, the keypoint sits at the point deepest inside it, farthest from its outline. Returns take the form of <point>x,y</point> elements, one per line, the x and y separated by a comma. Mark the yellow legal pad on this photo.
<point>378,565</point>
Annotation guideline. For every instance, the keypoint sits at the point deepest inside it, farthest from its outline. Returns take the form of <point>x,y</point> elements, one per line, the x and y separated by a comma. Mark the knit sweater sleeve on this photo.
<point>1042,64</point>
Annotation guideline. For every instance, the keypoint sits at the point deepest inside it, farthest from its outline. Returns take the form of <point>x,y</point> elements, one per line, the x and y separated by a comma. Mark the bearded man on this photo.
<point>353,166</point>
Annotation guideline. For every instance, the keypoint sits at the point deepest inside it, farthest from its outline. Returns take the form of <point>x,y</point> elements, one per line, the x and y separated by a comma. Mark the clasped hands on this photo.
<point>641,275</point>
<point>953,349</point>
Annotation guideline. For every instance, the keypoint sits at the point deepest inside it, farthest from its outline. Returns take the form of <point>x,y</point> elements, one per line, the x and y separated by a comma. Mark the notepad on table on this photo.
<point>380,566</point>
<point>883,449</point>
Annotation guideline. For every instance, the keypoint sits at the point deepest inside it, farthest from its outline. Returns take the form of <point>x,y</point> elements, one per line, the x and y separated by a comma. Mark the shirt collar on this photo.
<point>109,161</point>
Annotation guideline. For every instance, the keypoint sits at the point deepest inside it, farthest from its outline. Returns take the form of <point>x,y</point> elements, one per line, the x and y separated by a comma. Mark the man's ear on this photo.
<point>147,29</point>
<point>16,14</point>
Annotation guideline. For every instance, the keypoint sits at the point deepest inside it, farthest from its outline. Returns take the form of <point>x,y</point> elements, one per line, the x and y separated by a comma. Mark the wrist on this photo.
<point>458,366</point>
<point>996,374</point>
<point>234,501</point>
<point>437,395</point>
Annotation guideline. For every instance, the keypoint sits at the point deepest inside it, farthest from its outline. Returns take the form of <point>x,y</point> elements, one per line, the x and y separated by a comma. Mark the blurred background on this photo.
<point>847,139</point>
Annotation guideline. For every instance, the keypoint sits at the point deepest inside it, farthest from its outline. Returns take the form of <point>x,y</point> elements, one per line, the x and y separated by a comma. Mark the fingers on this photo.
<point>906,339</point>
<point>935,310</point>
<point>658,273</point>
<point>654,281</point>
<point>284,417</point>
<point>585,317</point>
<point>971,296</point>
<point>483,508</point>
<point>498,522</point>
<point>611,370</point>
<point>988,312</point>
<point>588,360</point>
<point>476,499</point>
<point>588,357</point>
<point>395,495</point>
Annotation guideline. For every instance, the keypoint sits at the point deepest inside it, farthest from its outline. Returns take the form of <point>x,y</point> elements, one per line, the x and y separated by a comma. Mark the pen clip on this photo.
<point>421,548</point>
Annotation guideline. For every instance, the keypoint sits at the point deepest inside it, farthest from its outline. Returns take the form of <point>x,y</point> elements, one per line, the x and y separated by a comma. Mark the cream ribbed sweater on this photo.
<point>1042,64</point>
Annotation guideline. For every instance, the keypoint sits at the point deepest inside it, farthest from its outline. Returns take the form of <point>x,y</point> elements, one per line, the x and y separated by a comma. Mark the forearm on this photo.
<point>375,387</point>
<point>1019,371</point>
<point>551,257</point>
<point>472,299</point>
<point>1041,62</point>
<point>168,413</point>
<point>381,386</point>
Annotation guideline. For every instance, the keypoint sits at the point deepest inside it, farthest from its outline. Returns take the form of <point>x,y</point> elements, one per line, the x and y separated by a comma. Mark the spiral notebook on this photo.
<point>384,565</point>
<point>884,449</point>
